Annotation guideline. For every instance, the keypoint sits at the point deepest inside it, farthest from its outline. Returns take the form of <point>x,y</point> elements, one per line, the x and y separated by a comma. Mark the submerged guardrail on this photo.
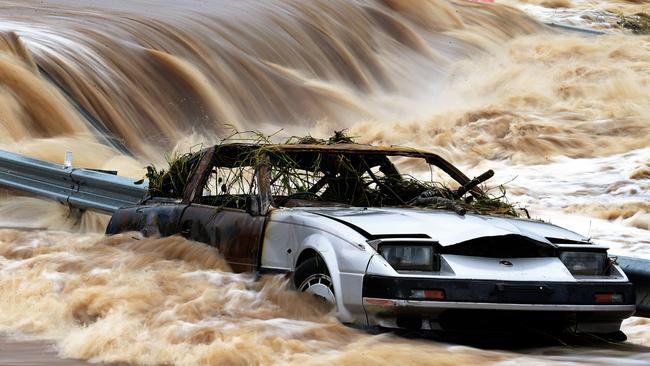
<point>84,189</point>
<point>574,29</point>
<point>102,133</point>
<point>638,272</point>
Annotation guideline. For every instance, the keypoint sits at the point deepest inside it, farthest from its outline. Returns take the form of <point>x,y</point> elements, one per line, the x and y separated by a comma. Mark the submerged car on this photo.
<point>390,249</point>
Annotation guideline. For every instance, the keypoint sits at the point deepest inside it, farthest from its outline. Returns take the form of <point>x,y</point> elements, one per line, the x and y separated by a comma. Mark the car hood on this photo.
<point>447,228</point>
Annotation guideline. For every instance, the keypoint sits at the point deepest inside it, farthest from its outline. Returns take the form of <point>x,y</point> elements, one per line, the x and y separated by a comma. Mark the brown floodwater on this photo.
<point>563,118</point>
<point>17,353</point>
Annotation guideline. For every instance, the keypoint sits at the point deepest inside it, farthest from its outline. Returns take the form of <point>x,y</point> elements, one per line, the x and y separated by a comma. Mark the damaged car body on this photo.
<point>387,249</point>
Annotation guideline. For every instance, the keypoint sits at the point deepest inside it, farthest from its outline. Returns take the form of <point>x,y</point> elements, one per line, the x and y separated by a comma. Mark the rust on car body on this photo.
<point>235,233</point>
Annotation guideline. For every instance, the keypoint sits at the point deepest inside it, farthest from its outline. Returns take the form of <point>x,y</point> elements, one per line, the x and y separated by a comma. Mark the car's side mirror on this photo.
<point>253,205</point>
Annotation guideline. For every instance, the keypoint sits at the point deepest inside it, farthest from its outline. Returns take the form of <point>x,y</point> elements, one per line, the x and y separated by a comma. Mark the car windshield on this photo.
<point>370,180</point>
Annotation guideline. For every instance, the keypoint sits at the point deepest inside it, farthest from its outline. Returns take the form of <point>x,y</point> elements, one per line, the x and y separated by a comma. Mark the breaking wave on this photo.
<point>536,98</point>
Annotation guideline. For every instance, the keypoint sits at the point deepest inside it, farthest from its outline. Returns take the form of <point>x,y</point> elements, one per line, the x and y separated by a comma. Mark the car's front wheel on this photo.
<point>312,276</point>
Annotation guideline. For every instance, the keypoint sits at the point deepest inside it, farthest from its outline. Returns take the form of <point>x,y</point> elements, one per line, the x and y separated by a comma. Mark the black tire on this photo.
<point>616,337</point>
<point>308,269</point>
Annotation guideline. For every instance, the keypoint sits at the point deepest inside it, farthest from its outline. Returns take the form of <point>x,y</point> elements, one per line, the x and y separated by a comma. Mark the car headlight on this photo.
<point>404,257</point>
<point>585,263</point>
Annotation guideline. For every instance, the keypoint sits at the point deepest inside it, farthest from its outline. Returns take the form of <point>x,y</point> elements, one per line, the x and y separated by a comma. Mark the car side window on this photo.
<point>229,187</point>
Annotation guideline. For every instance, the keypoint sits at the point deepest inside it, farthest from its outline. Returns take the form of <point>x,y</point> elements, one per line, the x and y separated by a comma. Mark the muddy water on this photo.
<point>158,301</point>
<point>564,120</point>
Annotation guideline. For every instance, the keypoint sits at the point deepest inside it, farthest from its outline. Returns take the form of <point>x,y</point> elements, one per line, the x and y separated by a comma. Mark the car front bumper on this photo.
<point>481,305</point>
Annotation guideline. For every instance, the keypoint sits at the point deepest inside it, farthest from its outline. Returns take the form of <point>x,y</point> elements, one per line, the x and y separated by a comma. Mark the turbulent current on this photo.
<point>563,118</point>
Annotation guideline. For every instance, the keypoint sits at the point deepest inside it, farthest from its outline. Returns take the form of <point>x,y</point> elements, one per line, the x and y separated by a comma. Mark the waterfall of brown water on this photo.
<point>154,77</point>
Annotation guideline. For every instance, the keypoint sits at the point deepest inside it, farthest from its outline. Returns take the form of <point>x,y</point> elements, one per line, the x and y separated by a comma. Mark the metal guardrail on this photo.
<point>638,272</point>
<point>572,28</point>
<point>79,188</point>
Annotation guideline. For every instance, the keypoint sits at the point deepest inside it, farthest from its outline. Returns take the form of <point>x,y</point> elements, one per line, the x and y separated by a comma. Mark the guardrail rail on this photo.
<point>638,272</point>
<point>80,188</point>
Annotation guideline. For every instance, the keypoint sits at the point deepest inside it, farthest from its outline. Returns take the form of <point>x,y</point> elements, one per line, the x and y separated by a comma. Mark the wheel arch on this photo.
<point>318,245</point>
<point>304,237</point>
<point>306,254</point>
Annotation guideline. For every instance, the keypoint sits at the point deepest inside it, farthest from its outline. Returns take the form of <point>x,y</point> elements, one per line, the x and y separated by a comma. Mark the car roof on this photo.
<point>236,149</point>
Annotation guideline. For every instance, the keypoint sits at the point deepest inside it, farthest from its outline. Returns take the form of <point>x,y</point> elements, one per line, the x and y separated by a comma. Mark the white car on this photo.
<point>387,249</point>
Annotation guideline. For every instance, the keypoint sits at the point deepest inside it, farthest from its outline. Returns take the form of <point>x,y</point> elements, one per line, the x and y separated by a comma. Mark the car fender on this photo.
<point>344,251</point>
<point>379,267</point>
<point>348,285</point>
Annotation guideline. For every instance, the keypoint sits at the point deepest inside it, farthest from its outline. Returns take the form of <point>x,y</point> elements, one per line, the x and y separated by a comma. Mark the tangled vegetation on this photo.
<point>638,23</point>
<point>315,177</point>
<point>171,182</point>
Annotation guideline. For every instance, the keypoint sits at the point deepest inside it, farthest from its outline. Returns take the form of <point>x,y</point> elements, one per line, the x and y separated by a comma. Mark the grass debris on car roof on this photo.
<point>356,183</point>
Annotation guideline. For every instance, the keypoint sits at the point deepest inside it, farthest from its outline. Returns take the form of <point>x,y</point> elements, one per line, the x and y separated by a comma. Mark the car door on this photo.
<point>225,215</point>
<point>237,234</point>
<point>157,217</point>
